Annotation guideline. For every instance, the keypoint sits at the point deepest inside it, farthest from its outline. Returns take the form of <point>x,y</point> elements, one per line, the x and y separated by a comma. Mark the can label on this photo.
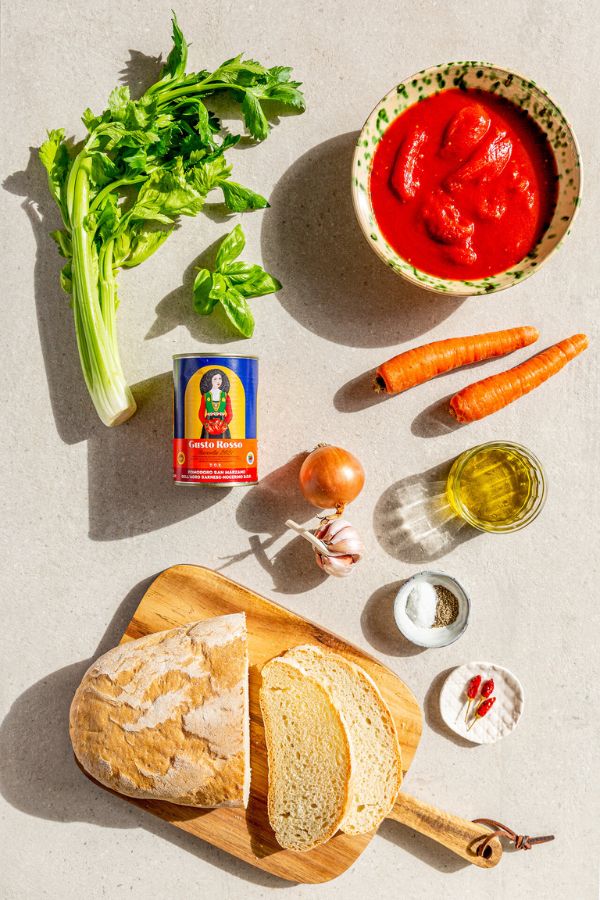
<point>214,420</point>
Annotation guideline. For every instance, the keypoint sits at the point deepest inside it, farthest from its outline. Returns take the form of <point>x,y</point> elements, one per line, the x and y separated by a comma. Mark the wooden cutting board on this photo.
<point>186,593</point>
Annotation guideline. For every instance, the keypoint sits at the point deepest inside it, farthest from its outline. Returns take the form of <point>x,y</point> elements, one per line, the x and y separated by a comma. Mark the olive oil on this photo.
<point>496,486</point>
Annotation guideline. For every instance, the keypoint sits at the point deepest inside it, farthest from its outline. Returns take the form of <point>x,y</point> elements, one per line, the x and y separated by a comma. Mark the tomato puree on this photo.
<point>463,184</point>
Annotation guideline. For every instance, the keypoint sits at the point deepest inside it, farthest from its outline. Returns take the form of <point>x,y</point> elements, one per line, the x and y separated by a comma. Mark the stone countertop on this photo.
<point>92,514</point>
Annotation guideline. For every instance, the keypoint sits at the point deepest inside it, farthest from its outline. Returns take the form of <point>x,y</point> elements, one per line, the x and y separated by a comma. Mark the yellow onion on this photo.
<point>331,477</point>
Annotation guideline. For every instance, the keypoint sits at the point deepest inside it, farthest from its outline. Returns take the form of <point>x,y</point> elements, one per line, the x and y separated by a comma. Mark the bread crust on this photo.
<point>368,821</point>
<point>166,716</point>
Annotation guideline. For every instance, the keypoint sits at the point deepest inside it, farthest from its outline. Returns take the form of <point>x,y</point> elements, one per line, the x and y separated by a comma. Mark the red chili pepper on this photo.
<point>472,688</point>
<point>488,688</point>
<point>482,710</point>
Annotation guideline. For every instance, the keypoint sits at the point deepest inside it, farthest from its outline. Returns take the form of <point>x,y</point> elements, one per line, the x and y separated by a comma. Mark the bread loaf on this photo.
<point>166,716</point>
<point>376,758</point>
<point>308,755</point>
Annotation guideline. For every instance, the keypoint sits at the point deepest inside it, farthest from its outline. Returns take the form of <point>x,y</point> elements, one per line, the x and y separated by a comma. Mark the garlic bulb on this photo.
<point>336,543</point>
<point>343,544</point>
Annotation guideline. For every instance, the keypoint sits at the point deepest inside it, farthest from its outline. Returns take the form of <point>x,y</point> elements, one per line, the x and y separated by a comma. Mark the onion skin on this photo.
<point>331,477</point>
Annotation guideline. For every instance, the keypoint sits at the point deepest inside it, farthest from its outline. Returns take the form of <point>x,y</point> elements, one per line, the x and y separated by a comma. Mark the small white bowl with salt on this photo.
<point>432,609</point>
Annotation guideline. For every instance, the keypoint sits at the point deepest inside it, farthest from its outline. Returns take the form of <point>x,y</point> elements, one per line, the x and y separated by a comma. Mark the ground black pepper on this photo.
<point>447,607</point>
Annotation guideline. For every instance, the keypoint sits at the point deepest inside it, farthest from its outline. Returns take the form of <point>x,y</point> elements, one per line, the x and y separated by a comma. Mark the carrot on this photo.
<point>422,363</point>
<point>491,394</point>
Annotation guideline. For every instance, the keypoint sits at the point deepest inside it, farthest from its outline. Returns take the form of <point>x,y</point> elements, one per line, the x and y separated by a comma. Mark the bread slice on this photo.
<point>166,717</point>
<point>376,757</point>
<point>308,754</point>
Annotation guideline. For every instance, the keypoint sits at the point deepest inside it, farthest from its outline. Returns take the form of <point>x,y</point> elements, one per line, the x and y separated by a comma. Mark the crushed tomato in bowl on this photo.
<point>463,184</point>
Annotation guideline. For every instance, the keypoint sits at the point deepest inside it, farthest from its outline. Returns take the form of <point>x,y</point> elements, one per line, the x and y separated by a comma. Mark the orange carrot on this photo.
<point>488,396</point>
<point>416,366</point>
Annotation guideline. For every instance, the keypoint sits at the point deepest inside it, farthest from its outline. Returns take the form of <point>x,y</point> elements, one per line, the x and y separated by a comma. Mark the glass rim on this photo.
<point>529,516</point>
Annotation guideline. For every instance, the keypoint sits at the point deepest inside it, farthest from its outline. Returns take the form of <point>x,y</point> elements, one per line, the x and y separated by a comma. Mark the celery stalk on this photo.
<point>143,164</point>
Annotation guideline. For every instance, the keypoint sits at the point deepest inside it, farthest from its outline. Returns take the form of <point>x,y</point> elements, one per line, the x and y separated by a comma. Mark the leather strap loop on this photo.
<point>521,841</point>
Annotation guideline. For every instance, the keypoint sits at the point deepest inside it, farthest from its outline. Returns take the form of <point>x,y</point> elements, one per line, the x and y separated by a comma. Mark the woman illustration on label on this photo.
<point>215,411</point>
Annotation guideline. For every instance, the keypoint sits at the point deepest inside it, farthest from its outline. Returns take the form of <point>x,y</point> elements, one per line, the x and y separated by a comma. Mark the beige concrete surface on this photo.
<point>90,514</point>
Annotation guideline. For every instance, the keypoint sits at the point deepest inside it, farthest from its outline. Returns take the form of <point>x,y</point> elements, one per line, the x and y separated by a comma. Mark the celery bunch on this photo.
<point>142,164</point>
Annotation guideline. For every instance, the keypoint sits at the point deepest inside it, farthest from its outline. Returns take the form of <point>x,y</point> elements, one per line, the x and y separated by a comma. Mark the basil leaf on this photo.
<point>238,312</point>
<point>259,284</point>
<point>230,248</point>
<point>238,272</point>
<point>203,302</point>
<point>219,286</point>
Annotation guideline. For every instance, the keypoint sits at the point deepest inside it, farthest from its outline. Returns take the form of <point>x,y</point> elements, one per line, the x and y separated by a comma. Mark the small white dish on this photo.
<point>502,717</point>
<point>432,637</point>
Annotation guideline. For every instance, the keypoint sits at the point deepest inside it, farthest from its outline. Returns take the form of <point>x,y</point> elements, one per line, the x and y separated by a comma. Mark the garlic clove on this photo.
<point>340,566</point>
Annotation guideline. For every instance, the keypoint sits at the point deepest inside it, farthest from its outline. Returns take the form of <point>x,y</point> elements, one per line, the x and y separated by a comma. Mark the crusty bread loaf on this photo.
<point>308,754</point>
<point>376,759</point>
<point>166,716</point>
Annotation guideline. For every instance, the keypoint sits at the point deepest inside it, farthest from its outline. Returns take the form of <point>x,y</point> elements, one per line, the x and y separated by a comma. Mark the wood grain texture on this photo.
<point>459,835</point>
<point>186,593</point>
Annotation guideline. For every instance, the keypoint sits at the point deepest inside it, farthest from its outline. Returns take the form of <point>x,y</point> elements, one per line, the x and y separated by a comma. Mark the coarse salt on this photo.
<point>421,605</point>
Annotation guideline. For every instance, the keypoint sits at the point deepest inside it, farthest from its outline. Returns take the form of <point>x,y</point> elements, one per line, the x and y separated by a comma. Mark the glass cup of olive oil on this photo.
<point>497,486</point>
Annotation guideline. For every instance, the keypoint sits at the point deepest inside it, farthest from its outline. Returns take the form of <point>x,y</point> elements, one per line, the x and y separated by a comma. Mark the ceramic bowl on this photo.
<point>521,91</point>
<point>432,637</point>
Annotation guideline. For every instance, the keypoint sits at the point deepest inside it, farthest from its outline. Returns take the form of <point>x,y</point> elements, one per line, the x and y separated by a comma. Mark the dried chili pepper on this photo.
<point>482,710</point>
<point>472,688</point>
<point>487,688</point>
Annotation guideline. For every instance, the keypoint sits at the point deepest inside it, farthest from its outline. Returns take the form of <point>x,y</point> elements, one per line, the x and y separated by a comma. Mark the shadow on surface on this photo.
<point>433,716</point>
<point>435,420</point>
<point>428,851</point>
<point>140,71</point>
<point>264,510</point>
<point>413,520</point>
<point>358,394</point>
<point>73,412</point>
<point>334,285</point>
<point>379,625</point>
<point>39,775</point>
<point>131,489</point>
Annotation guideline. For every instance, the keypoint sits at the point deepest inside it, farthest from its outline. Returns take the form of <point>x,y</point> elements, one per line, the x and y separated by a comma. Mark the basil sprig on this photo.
<point>232,283</point>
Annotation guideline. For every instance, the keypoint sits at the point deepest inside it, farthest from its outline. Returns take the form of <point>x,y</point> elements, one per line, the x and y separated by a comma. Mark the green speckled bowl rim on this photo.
<point>526,94</point>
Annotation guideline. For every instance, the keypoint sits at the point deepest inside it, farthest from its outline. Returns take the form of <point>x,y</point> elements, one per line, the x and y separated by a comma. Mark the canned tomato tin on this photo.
<point>214,419</point>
